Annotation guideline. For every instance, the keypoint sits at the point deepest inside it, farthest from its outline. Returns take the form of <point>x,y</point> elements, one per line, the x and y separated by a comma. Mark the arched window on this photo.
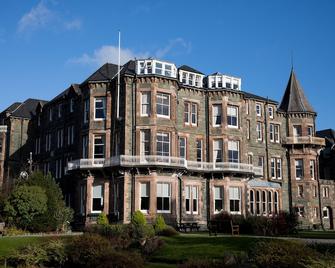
<point>264,202</point>
<point>270,203</point>
<point>276,205</point>
<point>258,203</point>
<point>252,202</point>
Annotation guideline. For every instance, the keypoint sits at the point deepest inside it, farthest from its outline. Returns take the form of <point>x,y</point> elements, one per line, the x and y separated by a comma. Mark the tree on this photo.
<point>57,214</point>
<point>25,204</point>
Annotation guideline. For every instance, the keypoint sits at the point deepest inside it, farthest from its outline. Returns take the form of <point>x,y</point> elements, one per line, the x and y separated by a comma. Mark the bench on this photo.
<point>184,226</point>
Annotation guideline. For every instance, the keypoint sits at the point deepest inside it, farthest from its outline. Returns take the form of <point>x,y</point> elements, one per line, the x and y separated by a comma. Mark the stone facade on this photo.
<point>178,148</point>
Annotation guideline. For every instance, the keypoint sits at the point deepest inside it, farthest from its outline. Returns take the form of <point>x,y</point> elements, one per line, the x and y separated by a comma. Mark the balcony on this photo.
<point>309,140</point>
<point>165,161</point>
<point>3,129</point>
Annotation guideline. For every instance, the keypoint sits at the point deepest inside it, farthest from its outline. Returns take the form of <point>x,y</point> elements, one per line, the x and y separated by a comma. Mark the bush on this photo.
<point>24,205</point>
<point>159,224</point>
<point>92,250</point>
<point>169,231</point>
<point>56,253</point>
<point>276,253</point>
<point>13,231</point>
<point>30,256</point>
<point>152,245</point>
<point>138,218</point>
<point>102,219</point>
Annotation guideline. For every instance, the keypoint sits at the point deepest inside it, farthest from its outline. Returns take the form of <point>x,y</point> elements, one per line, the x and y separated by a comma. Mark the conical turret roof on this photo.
<point>294,100</point>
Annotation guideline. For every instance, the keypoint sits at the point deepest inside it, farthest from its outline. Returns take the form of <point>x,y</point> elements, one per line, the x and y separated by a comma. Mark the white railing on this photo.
<point>3,128</point>
<point>165,161</point>
<point>304,140</point>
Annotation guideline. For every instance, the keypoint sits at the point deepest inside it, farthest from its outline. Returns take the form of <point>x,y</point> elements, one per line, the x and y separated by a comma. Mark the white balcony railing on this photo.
<point>304,140</point>
<point>164,161</point>
<point>3,128</point>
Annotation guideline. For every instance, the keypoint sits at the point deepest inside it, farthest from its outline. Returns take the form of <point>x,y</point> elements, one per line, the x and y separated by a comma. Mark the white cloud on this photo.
<point>42,16</point>
<point>73,24</point>
<point>174,46</point>
<point>108,54</point>
<point>37,17</point>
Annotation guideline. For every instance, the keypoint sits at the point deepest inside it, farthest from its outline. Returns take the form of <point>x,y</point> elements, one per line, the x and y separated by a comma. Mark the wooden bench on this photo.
<point>235,228</point>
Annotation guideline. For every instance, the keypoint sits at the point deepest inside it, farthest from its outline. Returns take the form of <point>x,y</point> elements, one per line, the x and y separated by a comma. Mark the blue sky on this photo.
<point>47,45</point>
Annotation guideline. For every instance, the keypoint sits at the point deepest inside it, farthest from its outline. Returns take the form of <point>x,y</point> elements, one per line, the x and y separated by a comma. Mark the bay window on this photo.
<point>99,108</point>
<point>312,169</point>
<point>217,151</point>
<point>145,197</point>
<point>99,146</point>
<point>145,142</point>
<point>217,114</point>
<point>299,167</point>
<point>252,202</point>
<point>163,144</point>
<point>191,199</point>
<point>199,150</point>
<point>233,151</point>
<point>145,103</point>
<point>182,147</point>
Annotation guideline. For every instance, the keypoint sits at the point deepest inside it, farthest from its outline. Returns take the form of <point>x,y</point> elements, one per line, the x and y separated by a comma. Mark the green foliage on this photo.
<point>138,219</point>
<point>30,256</point>
<point>25,204</point>
<point>282,254</point>
<point>13,231</point>
<point>169,231</point>
<point>159,224</point>
<point>57,216</point>
<point>56,253</point>
<point>102,219</point>
<point>92,250</point>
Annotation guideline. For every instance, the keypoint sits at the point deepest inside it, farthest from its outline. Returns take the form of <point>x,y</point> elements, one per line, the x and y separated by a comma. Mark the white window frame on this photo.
<point>103,145</point>
<point>145,142</point>
<point>219,198</point>
<point>218,115</point>
<point>258,108</point>
<point>192,195</point>
<point>103,108</point>
<point>145,103</point>
<point>232,197</point>
<point>164,196</point>
<point>231,115</point>
<point>163,134</point>
<point>101,198</point>
<point>199,142</point>
<point>259,131</point>
<point>194,114</point>
<point>296,164</point>
<point>233,146</point>
<point>145,195</point>
<point>217,148</point>
<point>270,109</point>
<point>162,95</point>
<point>252,202</point>
<point>182,147</point>
<point>187,108</point>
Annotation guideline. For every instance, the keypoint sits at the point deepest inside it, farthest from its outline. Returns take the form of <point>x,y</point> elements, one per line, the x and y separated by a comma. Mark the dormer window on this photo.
<point>184,78</point>
<point>213,83</point>
<point>156,67</point>
<point>219,81</point>
<point>235,86</point>
<point>228,85</point>
<point>190,79</point>
<point>197,80</point>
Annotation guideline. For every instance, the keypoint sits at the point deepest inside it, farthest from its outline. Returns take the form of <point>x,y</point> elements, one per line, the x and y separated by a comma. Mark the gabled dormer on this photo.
<point>190,77</point>
<point>156,67</point>
<point>218,80</point>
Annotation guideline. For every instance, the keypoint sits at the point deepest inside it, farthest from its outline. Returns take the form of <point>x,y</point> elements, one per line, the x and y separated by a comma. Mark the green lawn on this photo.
<point>317,234</point>
<point>180,248</point>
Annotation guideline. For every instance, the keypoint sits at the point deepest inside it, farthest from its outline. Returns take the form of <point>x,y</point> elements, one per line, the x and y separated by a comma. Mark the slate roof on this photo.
<point>66,91</point>
<point>189,69</point>
<point>12,107</point>
<point>256,97</point>
<point>27,109</point>
<point>294,100</point>
<point>328,134</point>
<point>104,73</point>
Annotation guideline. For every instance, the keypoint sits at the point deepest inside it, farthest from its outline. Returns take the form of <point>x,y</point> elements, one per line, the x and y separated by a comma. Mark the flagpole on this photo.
<point>118,80</point>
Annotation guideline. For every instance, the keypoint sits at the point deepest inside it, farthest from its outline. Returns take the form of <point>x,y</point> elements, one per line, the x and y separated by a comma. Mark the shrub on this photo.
<point>87,250</point>
<point>276,253</point>
<point>159,224</point>
<point>25,204</point>
<point>13,231</point>
<point>56,254</point>
<point>102,219</point>
<point>30,256</point>
<point>152,245</point>
<point>138,218</point>
<point>228,260</point>
<point>169,231</point>
<point>120,259</point>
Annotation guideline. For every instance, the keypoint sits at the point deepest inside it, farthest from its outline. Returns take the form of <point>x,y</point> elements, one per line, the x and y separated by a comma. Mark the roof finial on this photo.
<point>291,60</point>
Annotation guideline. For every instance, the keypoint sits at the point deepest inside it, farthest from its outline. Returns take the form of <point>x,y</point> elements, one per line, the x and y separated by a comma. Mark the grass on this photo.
<point>317,234</point>
<point>180,248</point>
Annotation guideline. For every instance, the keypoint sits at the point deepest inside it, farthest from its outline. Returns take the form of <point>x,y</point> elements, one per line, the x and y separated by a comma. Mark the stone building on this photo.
<point>175,142</point>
